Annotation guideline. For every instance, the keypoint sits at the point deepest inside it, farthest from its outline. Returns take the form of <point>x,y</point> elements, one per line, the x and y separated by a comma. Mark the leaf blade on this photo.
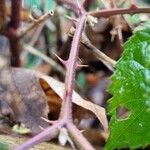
<point>131,89</point>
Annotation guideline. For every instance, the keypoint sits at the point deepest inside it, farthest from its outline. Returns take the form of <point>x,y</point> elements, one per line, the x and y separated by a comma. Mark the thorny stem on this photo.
<point>71,69</point>
<point>116,11</point>
<point>66,111</point>
<point>87,43</point>
<point>78,138</point>
<point>71,65</point>
<point>46,134</point>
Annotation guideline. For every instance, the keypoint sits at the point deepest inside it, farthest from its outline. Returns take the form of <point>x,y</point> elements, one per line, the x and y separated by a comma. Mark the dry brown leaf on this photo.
<point>54,102</point>
<point>99,111</point>
<point>58,87</point>
<point>22,97</point>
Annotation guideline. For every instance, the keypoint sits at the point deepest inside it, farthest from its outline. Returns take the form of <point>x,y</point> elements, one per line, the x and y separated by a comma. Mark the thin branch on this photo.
<point>12,28</point>
<point>45,135</point>
<point>78,138</point>
<point>36,35</point>
<point>59,40</point>
<point>2,14</point>
<point>117,26</point>
<point>119,11</point>
<point>15,13</point>
<point>71,69</point>
<point>34,51</point>
<point>99,54</point>
<point>65,117</point>
<point>21,33</point>
<point>109,62</point>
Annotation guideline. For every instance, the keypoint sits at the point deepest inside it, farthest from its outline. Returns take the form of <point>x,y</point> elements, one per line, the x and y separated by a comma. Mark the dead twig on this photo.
<point>117,26</point>
<point>47,59</point>
<point>22,32</point>
<point>110,63</point>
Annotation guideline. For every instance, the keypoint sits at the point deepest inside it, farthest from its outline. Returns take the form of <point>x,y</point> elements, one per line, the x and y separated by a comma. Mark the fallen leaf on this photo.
<point>58,87</point>
<point>21,100</point>
<point>24,95</point>
<point>54,102</point>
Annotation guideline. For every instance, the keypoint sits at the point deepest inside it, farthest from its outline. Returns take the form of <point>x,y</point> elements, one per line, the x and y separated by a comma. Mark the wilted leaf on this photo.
<point>58,87</point>
<point>54,102</point>
<point>131,91</point>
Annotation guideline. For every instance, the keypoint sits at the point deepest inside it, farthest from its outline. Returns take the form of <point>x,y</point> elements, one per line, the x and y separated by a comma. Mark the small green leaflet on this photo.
<point>130,88</point>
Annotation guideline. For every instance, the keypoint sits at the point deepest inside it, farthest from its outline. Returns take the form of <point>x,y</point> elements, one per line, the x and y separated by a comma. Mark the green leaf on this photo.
<point>130,88</point>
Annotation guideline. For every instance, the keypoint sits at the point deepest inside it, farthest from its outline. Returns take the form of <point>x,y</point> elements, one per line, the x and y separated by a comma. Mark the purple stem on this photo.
<point>71,66</point>
<point>66,111</point>
<point>45,135</point>
<point>116,11</point>
<point>78,138</point>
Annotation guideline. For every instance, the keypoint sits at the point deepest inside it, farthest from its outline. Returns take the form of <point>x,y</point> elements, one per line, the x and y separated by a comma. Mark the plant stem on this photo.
<point>21,33</point>
<point>98,53</point>
<point>2,14</point>
<point>12,28</point>
<point>69,5</point>
<point>78,138</point>
<point>71,66</point>
<point>66,110</point>
<point>47,59</point>
<point>47,134</point>
<point>119,11</point>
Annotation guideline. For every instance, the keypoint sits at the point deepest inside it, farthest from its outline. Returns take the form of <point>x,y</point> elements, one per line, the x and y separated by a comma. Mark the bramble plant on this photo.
<point>130,82</point>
